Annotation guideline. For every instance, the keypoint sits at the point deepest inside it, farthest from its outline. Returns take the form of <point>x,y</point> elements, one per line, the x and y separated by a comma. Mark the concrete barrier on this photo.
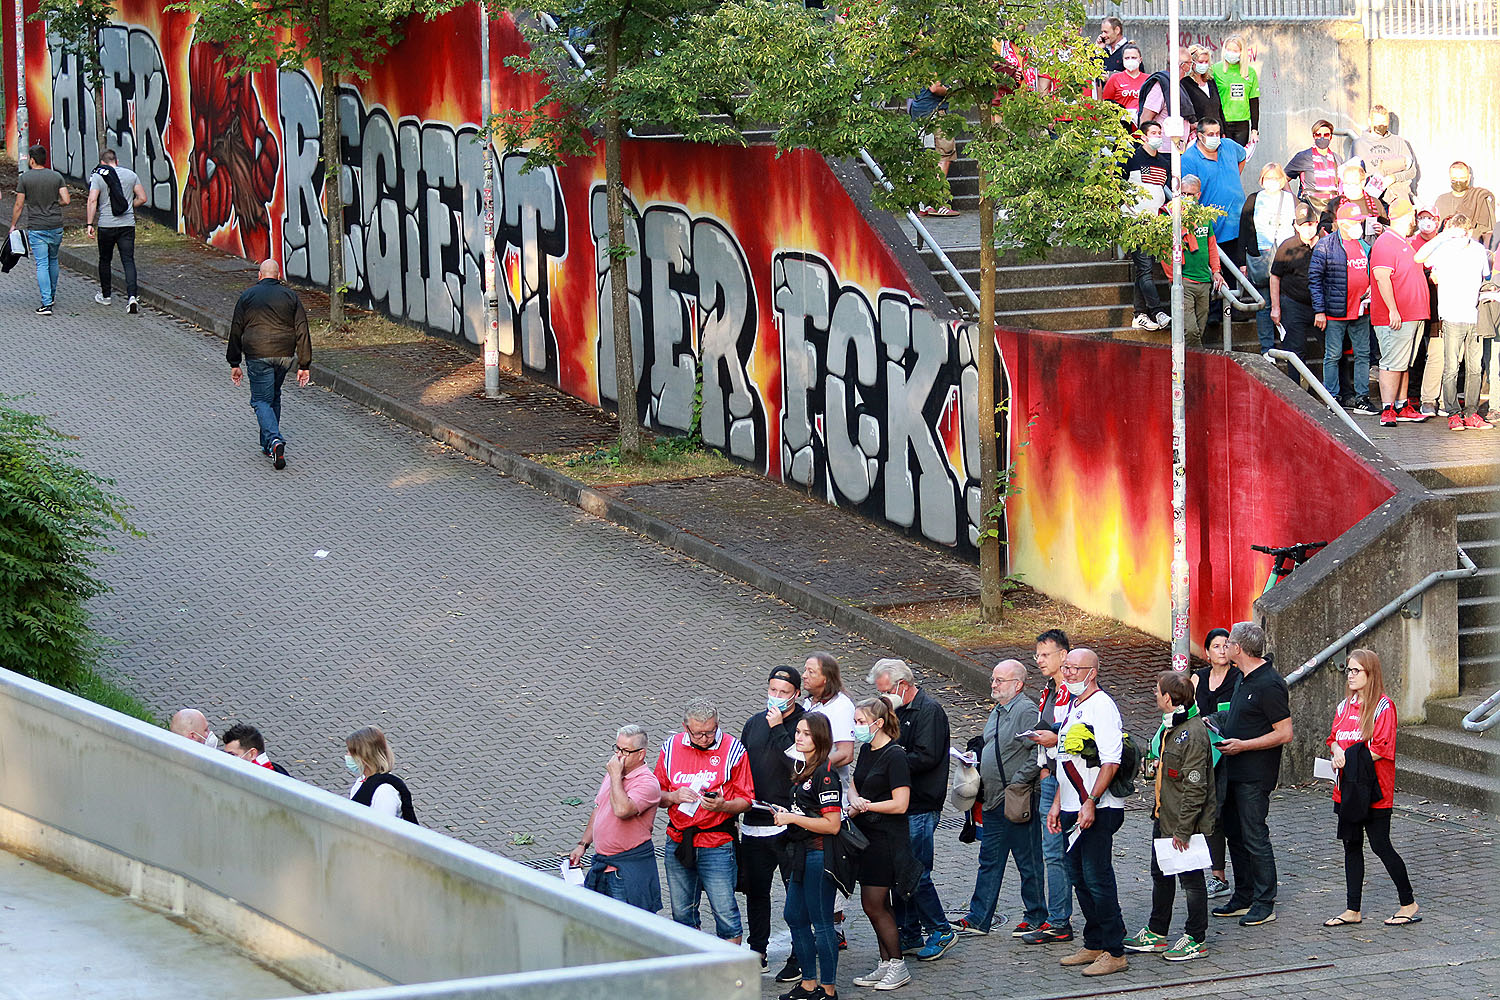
<point>325,891</point>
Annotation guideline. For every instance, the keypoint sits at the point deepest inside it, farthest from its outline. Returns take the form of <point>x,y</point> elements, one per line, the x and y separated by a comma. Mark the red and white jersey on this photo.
<point>1346,732</point>
<point>723,767</point>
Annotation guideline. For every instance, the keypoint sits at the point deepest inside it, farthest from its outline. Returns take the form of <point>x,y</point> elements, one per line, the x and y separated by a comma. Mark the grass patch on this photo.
<point>361,329</point>
<point>99,689</point>
<point>147,234</point>
<point>957,623</point>
<point>663,459</point>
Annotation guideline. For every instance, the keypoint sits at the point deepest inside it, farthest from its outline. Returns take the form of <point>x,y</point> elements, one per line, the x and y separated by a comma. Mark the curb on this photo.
<point>908,645</point>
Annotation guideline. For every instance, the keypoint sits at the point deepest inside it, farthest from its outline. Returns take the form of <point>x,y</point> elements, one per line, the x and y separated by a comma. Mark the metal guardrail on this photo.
<point>1409,604</point>
<point>1475,724</point>
<point>1299,10</point>
<point>1230,299</point>
<point>1446,19</point>
<point>551,24</point>
<point>1317,388</point>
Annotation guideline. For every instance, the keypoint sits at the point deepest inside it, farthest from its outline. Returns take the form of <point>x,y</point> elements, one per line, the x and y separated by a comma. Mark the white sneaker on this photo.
<point>895,977</point>
<point>102,299</point>
<point>874,976</point>
<point>1163,320</point>
<point>1144,322</point>
<point>134,305</point>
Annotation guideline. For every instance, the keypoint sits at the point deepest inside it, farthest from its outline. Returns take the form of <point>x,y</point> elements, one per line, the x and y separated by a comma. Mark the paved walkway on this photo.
<point>501,636</point>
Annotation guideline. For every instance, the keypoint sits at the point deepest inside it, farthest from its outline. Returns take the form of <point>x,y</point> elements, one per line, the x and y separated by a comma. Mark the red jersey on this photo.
<point>1346,733</point>
<point>1408,279</point>
<point>723,767</point>
<point>1124,89</point>
<point>1358,271</point>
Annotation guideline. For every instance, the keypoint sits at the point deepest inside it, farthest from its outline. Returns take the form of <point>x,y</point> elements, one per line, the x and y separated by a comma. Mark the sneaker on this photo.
<point>1258,915</point>
<point>1022,929</point>
<point>134,305</point>
<point>102,299</point>
<point>1231,909</point>
<point>798,993</point>
<point>895,976</point>
<point>1363,405</point>
<point>44,310</point>
<point>278,454</point>
<point>1163,320</point>
<point>1107,964</point>
<point>1083,956</point>
<point>1410,414</point>
<point>874,976</point>
<point>1388,416</point>
<point>1428,410</point>
<point>1144,322</point>
<point>1047,934</point>
<point>843,941</point>
<point>1146,940</point>
<point>1474,422</point>
<point>1217,887</point>
<point>963,926</point>
<point>910,946</point>
<point>1455,423</point>
<point>791,972</point>
<point>765,966</point>
<point>937,945</point>
<point>1185,950</point>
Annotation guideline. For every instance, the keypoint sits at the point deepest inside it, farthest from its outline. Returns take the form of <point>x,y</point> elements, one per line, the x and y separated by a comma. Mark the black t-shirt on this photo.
<point>876,774</point>
<point>1259,703</point>
<point>1290,265</point>
<point>1209,699</point>
<point>818,791</point>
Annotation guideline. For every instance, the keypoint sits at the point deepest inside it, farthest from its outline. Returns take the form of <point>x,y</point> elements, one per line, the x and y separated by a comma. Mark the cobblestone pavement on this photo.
<point>500,636</point>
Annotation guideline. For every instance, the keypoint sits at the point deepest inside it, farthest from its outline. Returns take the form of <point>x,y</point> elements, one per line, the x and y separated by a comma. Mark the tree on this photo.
<point>345,37</point>
<point>639,40</point>
<point>79,24</point>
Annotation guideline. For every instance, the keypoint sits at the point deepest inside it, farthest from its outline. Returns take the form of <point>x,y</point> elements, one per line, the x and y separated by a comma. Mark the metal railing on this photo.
<point>1299,10</point>
<point>1317,387</point>
<point>1473,721</point>
<point>1230,299</point>
<point>567,43</point>
<point>1408,603</point>
<point>1156,10</point>
<point>1475,19</point>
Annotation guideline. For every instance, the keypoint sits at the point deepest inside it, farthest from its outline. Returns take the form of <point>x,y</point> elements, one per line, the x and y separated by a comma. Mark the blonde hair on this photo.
<point>1235,39</point>
<point>1370,697</point>
<point>1195,51</point>
<point>879,710</point>
<point>368,746</point>
<point>1273,170</point>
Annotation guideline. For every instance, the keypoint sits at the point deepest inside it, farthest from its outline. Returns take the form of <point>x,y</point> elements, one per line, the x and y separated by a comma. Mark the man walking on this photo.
<point>1006,761</point>
<point>767,737</point>
<point>115,192</point>
<point>924,737</point>
<point>41,192</point>
<point>619,829</point>
<point>269,332</point>
<point>1256,726</point>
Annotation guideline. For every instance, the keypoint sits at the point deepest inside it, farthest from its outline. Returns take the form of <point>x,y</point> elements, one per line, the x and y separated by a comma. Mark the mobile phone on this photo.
<point>711,795</point>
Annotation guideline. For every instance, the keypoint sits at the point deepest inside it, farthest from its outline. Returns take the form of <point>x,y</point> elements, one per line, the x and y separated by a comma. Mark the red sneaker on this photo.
<point>1474,422</point>
<point>1410,413</point>
<point>1388,416</point>
<point>1455,423</point>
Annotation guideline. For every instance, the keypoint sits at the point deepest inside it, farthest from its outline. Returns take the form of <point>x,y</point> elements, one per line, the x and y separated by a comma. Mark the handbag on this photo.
<point>841,856</point>
<point>1019,801</point>
<point>14,251</point>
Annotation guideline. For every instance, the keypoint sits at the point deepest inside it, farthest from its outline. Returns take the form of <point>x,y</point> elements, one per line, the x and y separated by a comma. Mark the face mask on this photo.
<point>795,754</point>
<point>1131,65</point>
<point>1458,185</point>
<point>863,733</point>
<point>1211,142</point>
<point>1352,231</point>
<point>1307,232</point>
<point>1321,142</point>
<point>1271,186</point>
<point>892,699</point>
<point>1155,143</point>
<point>778,705</point>
<point>1427,225</point>
<point>1200,68</point>
<point>1231,57</point>
<point>1380,126</point>
<point>211,741</point>
<point>1353,192</point>
<point>354,766</point>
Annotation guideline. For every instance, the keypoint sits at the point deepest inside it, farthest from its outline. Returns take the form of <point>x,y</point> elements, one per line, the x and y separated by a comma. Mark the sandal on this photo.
<point>1401,921</point>
<point>1341,922</point>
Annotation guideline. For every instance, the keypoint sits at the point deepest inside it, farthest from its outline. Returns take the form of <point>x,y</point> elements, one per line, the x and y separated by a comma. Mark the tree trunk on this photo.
<point>619,261</point>
<point>333,163</point>
<point>99,91</point>
<point>991,577</point>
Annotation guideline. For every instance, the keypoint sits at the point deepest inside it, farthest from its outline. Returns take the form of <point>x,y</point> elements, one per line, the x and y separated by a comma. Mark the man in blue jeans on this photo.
<point>41,193</point>
<point>1051,650</point>
<point>1338,280</point>
<point>269,332</point>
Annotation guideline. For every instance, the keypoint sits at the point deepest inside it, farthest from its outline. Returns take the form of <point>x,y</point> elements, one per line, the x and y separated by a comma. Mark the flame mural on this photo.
<point>756,284</point>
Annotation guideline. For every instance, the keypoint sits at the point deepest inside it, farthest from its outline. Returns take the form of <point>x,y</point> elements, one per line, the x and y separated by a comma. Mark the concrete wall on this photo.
<point>324,890</point>
<point>1444,94</point>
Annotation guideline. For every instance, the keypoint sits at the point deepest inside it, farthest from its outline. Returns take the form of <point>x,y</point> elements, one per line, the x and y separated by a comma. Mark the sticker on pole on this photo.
<point>491,358</point>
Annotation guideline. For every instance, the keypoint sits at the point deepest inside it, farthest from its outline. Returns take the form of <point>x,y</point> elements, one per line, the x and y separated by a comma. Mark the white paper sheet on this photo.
<point>1171,861</point>
<point>1073,837</point>
<point>1324,769</point>
<point>570,875</point>
<point>962,757</point>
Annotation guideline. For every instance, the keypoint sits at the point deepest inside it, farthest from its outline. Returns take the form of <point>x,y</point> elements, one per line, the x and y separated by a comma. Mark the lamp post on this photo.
<point>491,316</point>
<point>1181,645</point>
<point>23,140</point>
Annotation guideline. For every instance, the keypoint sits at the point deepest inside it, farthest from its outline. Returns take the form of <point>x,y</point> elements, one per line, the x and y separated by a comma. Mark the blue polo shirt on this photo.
<point>1222,185</point>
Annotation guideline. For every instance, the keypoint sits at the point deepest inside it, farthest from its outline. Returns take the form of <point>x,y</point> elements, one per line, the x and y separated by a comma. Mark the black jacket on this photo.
<point>770,767</point>
<point>269,322</point>
<point>1358,789</point>
<point>366,793</point>
<point>924,737</point>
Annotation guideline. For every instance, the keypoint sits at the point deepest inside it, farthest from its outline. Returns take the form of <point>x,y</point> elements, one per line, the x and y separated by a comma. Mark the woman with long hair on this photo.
<point>878,802</point>
<point>1366,719</point>
<point>368,757</point>
<point>816,812</point>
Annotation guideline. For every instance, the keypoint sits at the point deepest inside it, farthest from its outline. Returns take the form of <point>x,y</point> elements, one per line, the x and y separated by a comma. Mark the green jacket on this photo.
<point>1237,84</point>
<point>1188,802</point>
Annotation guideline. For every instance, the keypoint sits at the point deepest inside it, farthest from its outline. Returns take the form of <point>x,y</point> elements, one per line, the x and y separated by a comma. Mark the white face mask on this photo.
<point>1131,65</point>
<point>1427,225</point>
<point>1231,56</point>
<point>353,765</point>
<point>1271,186</point>
<point>892,699</point>
<point>1200,68</point>
<point>1155,142</point>
<point>211,741</point>
<point>795,754</point>
<point>1211,142</point>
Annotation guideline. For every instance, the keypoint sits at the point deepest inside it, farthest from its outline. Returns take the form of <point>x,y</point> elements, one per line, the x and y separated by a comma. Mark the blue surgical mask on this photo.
<point>778,705</point>
<point>354,766</point>
<point>863,733</point>
<point>1200,68</point>
<point>1211,142</point>
<point>1155,142</point>
<point>1231,56</point>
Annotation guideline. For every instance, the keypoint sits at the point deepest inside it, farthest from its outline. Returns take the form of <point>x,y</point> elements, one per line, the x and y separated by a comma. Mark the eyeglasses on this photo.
<point>707,735</point>
<point>627,751</point>
<point>1354,670</point>
<point>1322,135</point>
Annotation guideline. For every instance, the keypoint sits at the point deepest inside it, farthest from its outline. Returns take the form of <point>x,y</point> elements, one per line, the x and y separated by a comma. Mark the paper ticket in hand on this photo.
<point>1324,769</point>
<point>570,874</point>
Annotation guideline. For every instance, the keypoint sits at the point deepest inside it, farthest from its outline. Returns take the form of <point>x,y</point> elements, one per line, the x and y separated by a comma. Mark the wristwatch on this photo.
<point>1091,800</point>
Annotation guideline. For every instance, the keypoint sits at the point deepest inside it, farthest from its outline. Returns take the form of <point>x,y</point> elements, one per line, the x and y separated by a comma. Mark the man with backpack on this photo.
<point>1091,750</point>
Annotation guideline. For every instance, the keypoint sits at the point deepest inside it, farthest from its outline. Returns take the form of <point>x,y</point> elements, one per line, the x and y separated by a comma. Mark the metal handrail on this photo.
<point>568,46</point>
<point>1472,721</point>
<point>1317,388</point>
<point>1407,603</point>
<point>1256,301</point>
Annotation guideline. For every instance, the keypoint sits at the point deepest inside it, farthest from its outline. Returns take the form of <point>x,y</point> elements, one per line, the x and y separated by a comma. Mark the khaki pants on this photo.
<point>1195,296</point>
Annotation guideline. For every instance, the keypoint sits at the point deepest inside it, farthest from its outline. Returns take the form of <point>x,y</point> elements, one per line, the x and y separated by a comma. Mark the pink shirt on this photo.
<point>612,834</point>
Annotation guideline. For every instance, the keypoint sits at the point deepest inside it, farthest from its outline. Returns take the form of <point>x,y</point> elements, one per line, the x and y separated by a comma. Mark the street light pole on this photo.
<point>1181,643</point>
<point>491,314</point>
<point>23,139</point>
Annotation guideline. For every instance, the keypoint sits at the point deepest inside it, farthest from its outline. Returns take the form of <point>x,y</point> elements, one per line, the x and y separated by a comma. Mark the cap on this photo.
<point>1351,211</point>
<point>1398,208</point>
<point>788,674</point>
<point>1214,633</point>
<point>1304,213</point>
<point>1428,210</point>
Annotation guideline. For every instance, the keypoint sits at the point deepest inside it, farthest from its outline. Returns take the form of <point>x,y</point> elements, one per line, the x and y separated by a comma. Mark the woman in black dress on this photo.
<point>1214,686</point>
<point>880,793</point>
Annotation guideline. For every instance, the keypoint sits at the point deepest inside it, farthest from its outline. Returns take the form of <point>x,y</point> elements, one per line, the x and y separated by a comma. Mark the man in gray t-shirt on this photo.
<point>114,192</point>
<point>41,193</point>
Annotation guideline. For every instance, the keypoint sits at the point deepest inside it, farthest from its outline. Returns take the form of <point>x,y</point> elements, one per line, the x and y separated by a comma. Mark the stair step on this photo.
<point>1481,673</point>
<point>1481,499</point>
<point>1484,583</point>
<point>1454,747</point>
<point>1446,784</point>
<point>1477,611</point>
<point>1441,476</point>
<point>1484,551</point>
<point>1480,640</point>
<point>1067,318</point>
<point>1479,527</point>
<point>1061,275</point>
<point>967,258</point>
<point>1079,296</point>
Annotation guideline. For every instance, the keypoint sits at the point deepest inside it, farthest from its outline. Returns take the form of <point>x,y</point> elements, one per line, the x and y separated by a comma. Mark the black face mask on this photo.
<point>1459,186</point>
<point>1321,142</point>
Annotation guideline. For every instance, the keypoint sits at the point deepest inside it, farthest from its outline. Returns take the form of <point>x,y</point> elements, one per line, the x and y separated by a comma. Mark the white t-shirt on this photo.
<point>1099,712</point>
<point>386,800</point>
<point>1459,267</point>
<point>839,711</point>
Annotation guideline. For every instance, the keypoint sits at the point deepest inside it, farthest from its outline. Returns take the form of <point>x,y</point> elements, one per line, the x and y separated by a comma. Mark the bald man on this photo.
<point>269,332</point>
<point>191,724</point>
<point>1007,760</point>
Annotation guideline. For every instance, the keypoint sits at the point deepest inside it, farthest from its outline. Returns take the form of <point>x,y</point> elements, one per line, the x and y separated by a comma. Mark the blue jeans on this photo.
<point>1246,806</point>
<point>1358,332</point>
<point>1055,855</point>
<point>1258,270</point>
<point>1092,863</point>
<point>716,874</point>
<point>1002,838</point>
<point>923,913</point>
<point>266,376</point>
<point>809,918</point>
<point>44,245</point>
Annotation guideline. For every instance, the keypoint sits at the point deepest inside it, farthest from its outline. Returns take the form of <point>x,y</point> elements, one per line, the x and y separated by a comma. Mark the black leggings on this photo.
<point>1378,827</point>
<point>876,899</point>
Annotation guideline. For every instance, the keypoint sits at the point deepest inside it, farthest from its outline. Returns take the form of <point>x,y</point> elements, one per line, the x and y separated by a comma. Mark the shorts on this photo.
<point>1398,345</point>
<point>947,148</point>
